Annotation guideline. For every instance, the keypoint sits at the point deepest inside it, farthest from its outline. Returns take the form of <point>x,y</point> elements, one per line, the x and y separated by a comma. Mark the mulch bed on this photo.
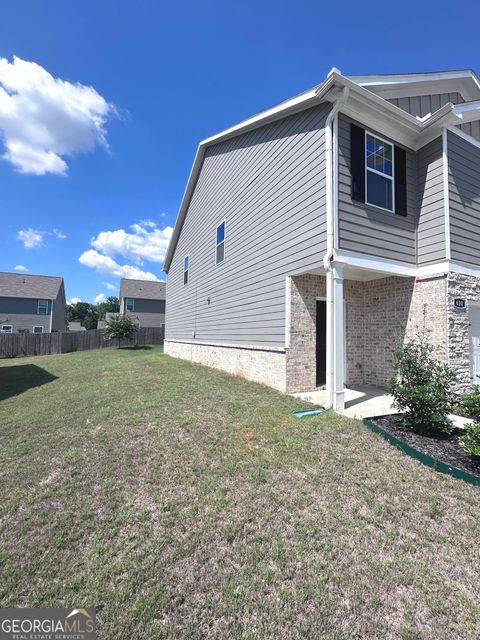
<point>447,450</point>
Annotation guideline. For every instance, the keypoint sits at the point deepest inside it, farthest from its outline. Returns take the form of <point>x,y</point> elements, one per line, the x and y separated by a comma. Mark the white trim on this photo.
<point>126,305</point>
<point>288,310</point>
<point>363,261</point>
<point>6,325</point>
<point>38,307</point>
<point>380,173</point>
<point>446,193</point>
<point>465,136</point>
<point>38,326</point>
<point>226,345</point>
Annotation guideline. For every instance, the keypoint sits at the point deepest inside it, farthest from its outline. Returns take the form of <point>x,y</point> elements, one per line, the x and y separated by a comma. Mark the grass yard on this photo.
<point>183,503</point>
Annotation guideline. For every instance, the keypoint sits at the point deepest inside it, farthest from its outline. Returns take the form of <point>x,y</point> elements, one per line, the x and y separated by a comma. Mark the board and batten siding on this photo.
<point>367,229</point>
<point>464,192</point>
<point>423,105</point>
<point>268,185</point>
<point>431,220</point>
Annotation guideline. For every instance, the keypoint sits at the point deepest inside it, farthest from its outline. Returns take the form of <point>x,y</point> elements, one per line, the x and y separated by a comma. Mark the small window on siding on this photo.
<point>379,163</point>
<point>129,304</point>
<point>7,328</point>
<point>37,329</point>
<point>42,307</point>
<point>185,270</point>
<point>220,243</point>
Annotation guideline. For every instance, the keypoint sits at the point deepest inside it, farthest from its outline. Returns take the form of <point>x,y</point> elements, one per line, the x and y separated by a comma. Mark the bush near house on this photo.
<point>422,388</point>
<point>120,328</point>
<point>469,405</point>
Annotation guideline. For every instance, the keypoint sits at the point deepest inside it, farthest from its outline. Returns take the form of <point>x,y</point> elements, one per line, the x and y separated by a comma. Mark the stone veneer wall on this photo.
<point>458,325</point>
<point>260,365</point>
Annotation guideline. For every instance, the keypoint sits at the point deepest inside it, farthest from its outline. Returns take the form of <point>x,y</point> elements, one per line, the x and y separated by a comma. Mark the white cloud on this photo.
<point>20,267</point>
<point>145,241</point>
<point>34,238</point>
<point>74,300</point>
<point>107,265</point>
<point>99,298</point>
<point>45,119</point>
<point>31,238</point>
<point>109,286</point>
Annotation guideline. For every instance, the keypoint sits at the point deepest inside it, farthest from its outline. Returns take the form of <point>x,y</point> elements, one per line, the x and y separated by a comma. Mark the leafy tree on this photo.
<point>120,328</point>
<point>110,305</point>
<point>83,312</point>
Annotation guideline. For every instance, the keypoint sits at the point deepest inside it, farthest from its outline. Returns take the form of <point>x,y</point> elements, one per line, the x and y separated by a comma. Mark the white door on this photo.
<point>474,317</point>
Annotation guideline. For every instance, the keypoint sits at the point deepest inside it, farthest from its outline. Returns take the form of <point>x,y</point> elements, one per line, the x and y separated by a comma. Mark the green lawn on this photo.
<point>184,503</point>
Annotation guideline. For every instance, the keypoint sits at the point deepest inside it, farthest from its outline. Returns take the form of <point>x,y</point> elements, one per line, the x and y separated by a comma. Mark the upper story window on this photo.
<point>7,328</point>
<point>42,308</point>
<point>129,304</point>
<point>379,166</point>
<point>378,171</point>
<point>185,270</point>
<point>220,243</point>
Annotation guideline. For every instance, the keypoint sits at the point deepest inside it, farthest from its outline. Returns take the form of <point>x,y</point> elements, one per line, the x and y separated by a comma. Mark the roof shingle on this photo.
<point>19,285</point>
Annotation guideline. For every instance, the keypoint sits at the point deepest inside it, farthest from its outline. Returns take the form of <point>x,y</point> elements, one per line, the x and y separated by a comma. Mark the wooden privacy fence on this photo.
<point>13,345</point>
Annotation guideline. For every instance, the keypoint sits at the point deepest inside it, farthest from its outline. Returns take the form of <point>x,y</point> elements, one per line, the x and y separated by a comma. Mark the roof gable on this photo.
<point>16,285</point>
<point>145,289</point>
<point>465,82</point>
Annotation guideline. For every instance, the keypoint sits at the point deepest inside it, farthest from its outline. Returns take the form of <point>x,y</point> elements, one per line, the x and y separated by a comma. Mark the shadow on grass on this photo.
<point>137,348</point>
<point>18,379</point>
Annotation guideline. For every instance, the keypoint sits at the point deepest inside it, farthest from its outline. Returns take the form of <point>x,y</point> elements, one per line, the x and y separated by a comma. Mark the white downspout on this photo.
<point>331,201</point>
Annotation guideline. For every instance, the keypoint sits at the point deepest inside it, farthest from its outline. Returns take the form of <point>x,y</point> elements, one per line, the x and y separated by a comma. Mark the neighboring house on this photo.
<point>31,303</point>
<point>75,326</point>
<point>143,301</point>
<point>101,324</point>
<point>316,236</point>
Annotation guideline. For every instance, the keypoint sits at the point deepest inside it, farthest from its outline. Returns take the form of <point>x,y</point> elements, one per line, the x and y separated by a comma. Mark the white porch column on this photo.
<point>338,399</point>
<point>329,345</point>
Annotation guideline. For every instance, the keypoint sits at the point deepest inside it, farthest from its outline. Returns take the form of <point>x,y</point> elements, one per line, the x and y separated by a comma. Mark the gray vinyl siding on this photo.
<point>423,105</point>
<point>464,190</point>
<point>22,314</point>
<point>431,221</point>
<point>58,319</point>
<point>366,229</point>
<point>269,187</point>
<point>148,313</point>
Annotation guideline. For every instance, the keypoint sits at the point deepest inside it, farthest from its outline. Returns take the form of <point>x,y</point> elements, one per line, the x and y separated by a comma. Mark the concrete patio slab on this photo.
<point>364,402</point>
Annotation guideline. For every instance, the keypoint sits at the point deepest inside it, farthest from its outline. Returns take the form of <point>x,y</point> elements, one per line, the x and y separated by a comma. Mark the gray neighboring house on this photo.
<point>75,326</point>
<point>316,236</point>
<point>143,301</point>
<point>31,303</point>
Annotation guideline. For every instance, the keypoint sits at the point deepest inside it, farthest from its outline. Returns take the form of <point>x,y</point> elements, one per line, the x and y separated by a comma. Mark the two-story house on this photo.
<point>143,301</point>
<point>35,304</point>
<point>316,236</point>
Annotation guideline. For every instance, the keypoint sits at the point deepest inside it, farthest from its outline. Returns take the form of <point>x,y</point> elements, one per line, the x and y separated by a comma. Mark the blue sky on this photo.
<point>165,75</point>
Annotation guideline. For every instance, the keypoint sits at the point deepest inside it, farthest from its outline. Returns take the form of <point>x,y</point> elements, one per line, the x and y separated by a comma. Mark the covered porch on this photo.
<point>346,338</point>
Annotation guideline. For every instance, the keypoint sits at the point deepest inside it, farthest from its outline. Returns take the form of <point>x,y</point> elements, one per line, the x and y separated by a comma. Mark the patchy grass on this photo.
<point>185,503</point>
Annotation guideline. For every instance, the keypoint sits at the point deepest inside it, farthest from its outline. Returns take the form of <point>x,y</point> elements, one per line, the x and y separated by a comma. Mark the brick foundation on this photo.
<point>259,365</point>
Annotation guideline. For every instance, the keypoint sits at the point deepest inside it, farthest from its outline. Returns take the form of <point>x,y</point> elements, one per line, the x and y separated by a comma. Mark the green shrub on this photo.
<point>120,328</point>
<point>469,404</point>
<point>471,440</point>
<point>421,388</point>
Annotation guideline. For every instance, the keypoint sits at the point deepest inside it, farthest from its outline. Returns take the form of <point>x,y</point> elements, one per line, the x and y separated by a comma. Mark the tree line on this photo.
<point>89,314</point>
